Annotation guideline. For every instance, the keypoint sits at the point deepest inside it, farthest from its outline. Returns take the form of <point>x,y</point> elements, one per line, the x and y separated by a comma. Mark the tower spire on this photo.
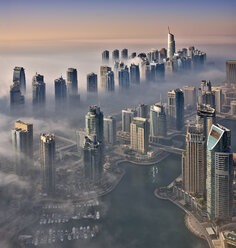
<point>169,29</point>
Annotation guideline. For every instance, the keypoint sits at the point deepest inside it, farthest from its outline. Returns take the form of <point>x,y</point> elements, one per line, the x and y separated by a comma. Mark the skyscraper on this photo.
<point>162,54</point>
<point>19,76</point>
<point>123,76</point>
<point>110,82</point>
<point>94,123</point>
<point>16,98</point>
<point>110,130</point>
<point>160,71</point>
<point>139,134</point>
<point>190,96</point>
<point>22,140</point>
<point>134,74</point>
<point>158,124</point>
<point>231,72</point>
<point>105,56</point>
<point>218,98</point>
<point>124,54</point>
<point>194,171</point>
<point>171,45</point>
<point>60,91</point>
<point>92,82</point>
<point>127,118</point>
<point>206,118</point>
<point>176,108</point>
<point>72,81</point>
<point>219,169</point>
<point>103,71</point>
<point>205,94</point>
<point>142,110</point>
<point>115,55</point>
<point>93,158</point>
<point>47,159</point>
<point>39,90</point>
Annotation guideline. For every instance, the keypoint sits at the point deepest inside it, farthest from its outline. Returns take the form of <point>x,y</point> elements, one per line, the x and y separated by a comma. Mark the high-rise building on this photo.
<point>176,108</point>
<point>123,76</point>
<point>139,134</point>
<point>218,98</point>
<point>142,110</point>
<point>154,55</point>
<point>105,56</point>
<point>158,124</point>
<point>94,123</point>
<point>190,96</point>
<point>103,71</point>
<point>194,170</point>
<point>205,94</point>
<point>134,74</point>
<point>110,82</point>
<point>223,185</point>
<point>60,91</point>
<point>124,54</point>
<point>231,71</point>
<point>162,54</point>
<point>160,71</point>
<point>92,82</point>
<point>127,118</point>
<point>115,55</point>
<point>171,45</point>
<point>110,130</point>
<point>22,140</point>
<point>47,159</point>
<point>16,98</point>
<point>19,76</point>
<point>72,82</point>
<point>133,55</point>
<point>206,117</point>
<point>219,173</point>
<point>93,158</point>
<point>39,90</point>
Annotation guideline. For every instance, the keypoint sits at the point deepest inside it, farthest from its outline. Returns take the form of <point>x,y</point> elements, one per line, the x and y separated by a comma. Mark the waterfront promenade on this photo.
<point>192,223</point>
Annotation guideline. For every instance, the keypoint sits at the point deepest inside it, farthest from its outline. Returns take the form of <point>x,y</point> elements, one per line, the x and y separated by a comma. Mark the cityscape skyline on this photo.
<point>118,124</point>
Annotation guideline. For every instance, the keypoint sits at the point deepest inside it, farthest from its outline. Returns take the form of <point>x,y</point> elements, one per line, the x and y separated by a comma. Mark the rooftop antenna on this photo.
<point>169,29</point>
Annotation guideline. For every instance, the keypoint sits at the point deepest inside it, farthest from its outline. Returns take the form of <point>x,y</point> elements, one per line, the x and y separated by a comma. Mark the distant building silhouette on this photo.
<point>19,76</point>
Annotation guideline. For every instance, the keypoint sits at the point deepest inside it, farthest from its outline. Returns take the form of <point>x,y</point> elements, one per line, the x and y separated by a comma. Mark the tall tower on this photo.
<point>72,82</point>
<point>142,110</point>
<point>123,76</point>
<point>176,108</point>
<point>205,94</point>
<point>115,55</point>
<point>219,173</point>
<point>127,118</point>
<point>94,123</point>
<point>194,172</point>
<point>124,54</point>
<point>22,140</point>
<point>103,71</point>
<point>93,158</point>
<point>158,124</point>
<point>206,117</point>
<point>231,72</point>
<point>39,90</point>
<point>139,134</point>
<point>16,98</point>
<point>171,45</point>
<point>110,130</point>
<point>19,76</point>
<point>92,83</point>
<point>60,90</point>
<point>110,82</point>
<point>134,74</point>
<point>105,56</point>
<point>47,159</point>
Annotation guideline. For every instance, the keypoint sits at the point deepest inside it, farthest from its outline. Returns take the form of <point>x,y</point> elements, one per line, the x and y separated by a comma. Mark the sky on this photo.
<point>47,20</point>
